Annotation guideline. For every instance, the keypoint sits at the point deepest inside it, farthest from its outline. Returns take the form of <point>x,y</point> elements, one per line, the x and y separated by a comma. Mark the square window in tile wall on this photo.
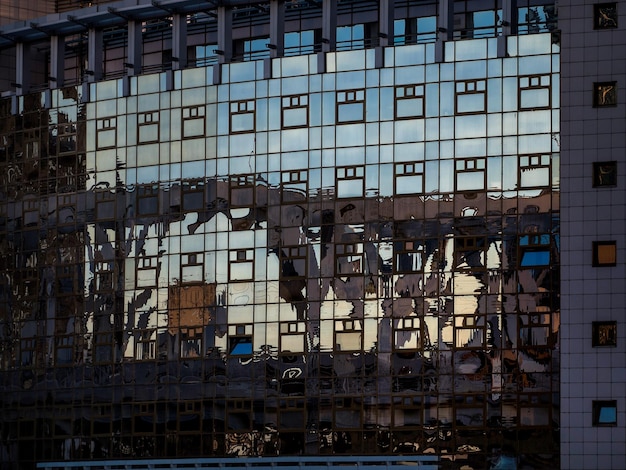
<point>604,333</point>
<point>604,174</point>
<point>604,412</point>
<point>604,94</point>
<point>605,15</point>
<point>604,253</point>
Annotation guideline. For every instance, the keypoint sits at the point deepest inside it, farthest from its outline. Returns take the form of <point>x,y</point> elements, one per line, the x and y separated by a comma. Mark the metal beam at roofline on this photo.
<point>116,13</point>
<point>365,462</point>
<point>101,16</point>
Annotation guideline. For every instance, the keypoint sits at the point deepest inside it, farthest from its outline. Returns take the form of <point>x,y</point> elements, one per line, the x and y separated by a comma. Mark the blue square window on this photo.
<point>605,413</point>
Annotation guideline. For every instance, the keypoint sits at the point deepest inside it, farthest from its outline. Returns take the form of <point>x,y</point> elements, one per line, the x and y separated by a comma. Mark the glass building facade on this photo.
<point>353,252</point>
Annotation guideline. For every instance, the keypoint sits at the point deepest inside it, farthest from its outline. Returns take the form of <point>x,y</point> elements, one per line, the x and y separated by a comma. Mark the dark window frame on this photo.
<point>466,245</point>
<point>241,108</point>
<point>599,172</point>
<point>605,94</point>
<point>147,192</point>
<point>603,17</point>
<point>190,190</point>
<point>191,339</point>
<point>603,334</point>
<point>475,165</point>
<point>597,406</point>
<point>294,182</point>
<point>405,248</point>
<point>596,262</point>
<point>534,85</point>
<point>351,97</point>
<point>410,92</point>
<point>242,190</point>
<point>290,253</point>
<point>348,253</point>
<point>534,162</point>
<point>242,256</point>
<point>145,345</point>
<point>148,119</point>
<point>193,113</point>
<point>292,329</point>
<point>105,202</point>
<point>534,243</point>
<point>240,339</point>
<point>408,324</point>
<point>410,170</point>
<point>470,87</point>
<point>294,102</point>
<point>349,173</point>
<point>347,327</point>
<point>106,124</point>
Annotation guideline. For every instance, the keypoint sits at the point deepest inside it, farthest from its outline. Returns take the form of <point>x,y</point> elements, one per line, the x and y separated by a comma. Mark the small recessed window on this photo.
<point>605,413</point>
<point>604,253</point>
<point>604,174</point>
<point>605,15</point>
<point>604,94</point>
<point>604,333</point>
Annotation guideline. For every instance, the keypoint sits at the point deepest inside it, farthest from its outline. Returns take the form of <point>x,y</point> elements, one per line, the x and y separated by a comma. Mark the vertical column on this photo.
<point>509,17</point>
<point>329,25</point>
<point>135,48</point>
<point>179,41</point>
<point>277,28</point>
<point>224,34</point>
<point>94,55</point>
<point>509,25</point>
<point>385,22</point>
<point>57,62</point>
<point>22,68</point>
<point>445,28</point>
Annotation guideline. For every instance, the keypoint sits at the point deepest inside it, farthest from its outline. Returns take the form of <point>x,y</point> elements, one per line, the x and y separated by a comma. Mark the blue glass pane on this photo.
<point>241,347</point>
<point>608,415</point>
<point>536,258</point>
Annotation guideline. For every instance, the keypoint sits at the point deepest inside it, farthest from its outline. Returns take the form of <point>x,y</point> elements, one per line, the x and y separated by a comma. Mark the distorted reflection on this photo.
<point>380,288</point>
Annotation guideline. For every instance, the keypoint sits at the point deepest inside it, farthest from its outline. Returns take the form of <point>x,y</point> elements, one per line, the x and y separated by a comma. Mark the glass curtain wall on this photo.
<point>361,261</point>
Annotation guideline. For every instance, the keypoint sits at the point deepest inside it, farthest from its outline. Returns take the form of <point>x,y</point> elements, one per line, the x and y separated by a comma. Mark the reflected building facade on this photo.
<point>343,243</point>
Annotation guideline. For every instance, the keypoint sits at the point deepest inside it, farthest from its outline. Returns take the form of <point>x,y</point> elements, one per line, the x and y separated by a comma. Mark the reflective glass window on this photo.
<point>604,333</point>
<point>351,106</point>
<point>604,174</point>
<point>604,413</point>
<point>604,253</point>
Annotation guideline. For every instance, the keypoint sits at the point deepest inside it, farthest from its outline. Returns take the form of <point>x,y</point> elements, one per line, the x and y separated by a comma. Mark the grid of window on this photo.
<point>309,264</point>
